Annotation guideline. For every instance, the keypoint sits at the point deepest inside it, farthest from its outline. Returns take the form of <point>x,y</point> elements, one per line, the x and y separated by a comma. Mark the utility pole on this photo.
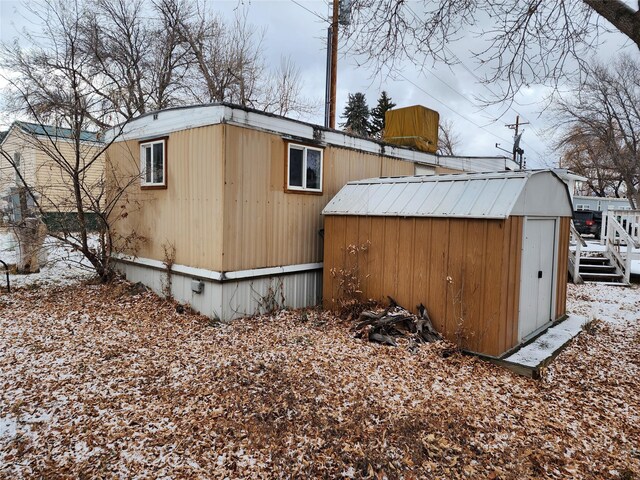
<point>334,63</point>
<point>327,82</point>
<point>516,139</point>
<point>340,15</point>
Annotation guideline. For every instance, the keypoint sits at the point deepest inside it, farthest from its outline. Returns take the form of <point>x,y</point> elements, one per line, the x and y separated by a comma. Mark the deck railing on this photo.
<point>574,256</point>
<point>621,236</point>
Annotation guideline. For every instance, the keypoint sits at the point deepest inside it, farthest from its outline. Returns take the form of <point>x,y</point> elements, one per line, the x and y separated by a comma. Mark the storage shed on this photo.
<point>486,253</point>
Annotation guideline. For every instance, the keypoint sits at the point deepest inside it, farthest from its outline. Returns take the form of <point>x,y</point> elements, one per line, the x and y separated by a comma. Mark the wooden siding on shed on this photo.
<point>563,267</point>
<point>466,271</point>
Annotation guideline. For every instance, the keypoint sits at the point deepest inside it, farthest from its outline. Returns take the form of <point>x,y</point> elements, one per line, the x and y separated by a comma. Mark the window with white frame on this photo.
<point>304,168</point>
<point>582,206</point>
<point>153,163</point>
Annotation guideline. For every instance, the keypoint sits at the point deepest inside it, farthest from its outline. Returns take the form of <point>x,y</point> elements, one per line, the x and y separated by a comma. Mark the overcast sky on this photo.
<point>297,31</point>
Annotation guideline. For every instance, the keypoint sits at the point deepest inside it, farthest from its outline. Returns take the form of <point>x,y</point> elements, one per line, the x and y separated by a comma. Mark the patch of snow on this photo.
<point>540,349</point>
<point>63,266</point>
<point>8,427</point>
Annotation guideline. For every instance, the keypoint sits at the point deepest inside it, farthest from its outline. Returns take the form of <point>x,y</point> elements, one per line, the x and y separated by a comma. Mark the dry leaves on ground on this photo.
<point>104,381</point>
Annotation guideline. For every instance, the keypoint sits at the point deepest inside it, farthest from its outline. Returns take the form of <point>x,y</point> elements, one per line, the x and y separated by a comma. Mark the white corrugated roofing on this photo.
<point>476,195</point>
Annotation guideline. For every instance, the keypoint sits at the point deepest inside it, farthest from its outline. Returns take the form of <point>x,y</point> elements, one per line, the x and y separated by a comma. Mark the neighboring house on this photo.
<point>33,147</point>
<point>573,180</point>
<point>600,204</point>
<point>237,195</point>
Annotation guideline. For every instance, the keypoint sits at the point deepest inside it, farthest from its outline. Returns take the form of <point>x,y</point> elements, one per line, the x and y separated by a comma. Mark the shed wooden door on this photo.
<point>537,275</point>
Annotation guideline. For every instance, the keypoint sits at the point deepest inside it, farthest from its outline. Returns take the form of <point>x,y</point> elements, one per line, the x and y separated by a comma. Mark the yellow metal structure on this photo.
<point>415,126</point>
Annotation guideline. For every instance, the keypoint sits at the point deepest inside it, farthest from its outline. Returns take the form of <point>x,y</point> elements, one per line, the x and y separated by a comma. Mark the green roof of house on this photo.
<point>52,131</point>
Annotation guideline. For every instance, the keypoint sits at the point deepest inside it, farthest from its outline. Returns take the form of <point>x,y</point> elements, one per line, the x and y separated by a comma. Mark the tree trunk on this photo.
<point>30,233</point>
<point>620,15</point>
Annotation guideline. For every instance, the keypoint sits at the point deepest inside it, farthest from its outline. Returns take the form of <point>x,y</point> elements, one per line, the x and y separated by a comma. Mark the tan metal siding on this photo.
<point>188,213</point>
<point>444,170</point>
<point>226,208</point>
<point>465,271</point>
<point>266,226</point>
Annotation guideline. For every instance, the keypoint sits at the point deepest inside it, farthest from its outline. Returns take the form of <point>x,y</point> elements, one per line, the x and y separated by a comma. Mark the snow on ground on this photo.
<point>544,346</point>
<point>63,266</point>
<point>586,303</point>
<point>102,381</point>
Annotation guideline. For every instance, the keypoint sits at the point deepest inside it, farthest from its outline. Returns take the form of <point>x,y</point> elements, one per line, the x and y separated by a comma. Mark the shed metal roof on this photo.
<point>494,195</point>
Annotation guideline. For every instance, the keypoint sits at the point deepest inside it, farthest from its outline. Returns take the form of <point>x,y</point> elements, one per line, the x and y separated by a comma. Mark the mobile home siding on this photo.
<point>56,186</point>
<point>53,186</point>
<point>17,142</point>
<point>188,213</point>
<point>266,226</point>
<point>465,271</point>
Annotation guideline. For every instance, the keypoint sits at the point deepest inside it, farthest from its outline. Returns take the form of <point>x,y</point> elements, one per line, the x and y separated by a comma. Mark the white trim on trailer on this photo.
<point>164,122</point>
<point>216,275</point>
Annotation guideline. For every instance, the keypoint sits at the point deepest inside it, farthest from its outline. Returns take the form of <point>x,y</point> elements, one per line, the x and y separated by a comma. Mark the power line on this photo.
<point>324,19</point>
<point>478,79</point>
<point>454,111</point>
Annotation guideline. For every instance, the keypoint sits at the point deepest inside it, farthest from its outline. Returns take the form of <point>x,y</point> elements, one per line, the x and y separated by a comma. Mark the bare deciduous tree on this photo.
<point>605,109</point>
<point>448,139</point>
<point>282,92</point>
<point>49,83</point>
<point>227,59</point>
<point>521,42</point>
<point>586,154</point>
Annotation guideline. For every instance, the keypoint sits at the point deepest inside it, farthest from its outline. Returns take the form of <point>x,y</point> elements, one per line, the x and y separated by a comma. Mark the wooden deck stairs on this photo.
<point>599,268</point>
<point>621,237</point>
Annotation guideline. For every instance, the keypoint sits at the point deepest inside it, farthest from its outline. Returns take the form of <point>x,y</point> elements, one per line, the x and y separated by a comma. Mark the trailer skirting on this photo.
<point>230,295</point>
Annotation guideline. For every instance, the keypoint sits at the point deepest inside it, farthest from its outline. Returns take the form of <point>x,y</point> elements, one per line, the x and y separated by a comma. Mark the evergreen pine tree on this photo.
<point>356,115</point>
<point>376,128</point>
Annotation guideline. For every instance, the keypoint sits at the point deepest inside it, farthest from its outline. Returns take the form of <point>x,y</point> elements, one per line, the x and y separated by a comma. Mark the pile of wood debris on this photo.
<point>386,325</point>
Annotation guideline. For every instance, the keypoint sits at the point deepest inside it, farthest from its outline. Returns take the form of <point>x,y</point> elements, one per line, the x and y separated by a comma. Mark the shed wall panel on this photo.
<point>374,258</point>
<point>364,240</point>
<point>466,272</point>
<point>495,299</point>
<point>436,297</point>
<point>406,259</point>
